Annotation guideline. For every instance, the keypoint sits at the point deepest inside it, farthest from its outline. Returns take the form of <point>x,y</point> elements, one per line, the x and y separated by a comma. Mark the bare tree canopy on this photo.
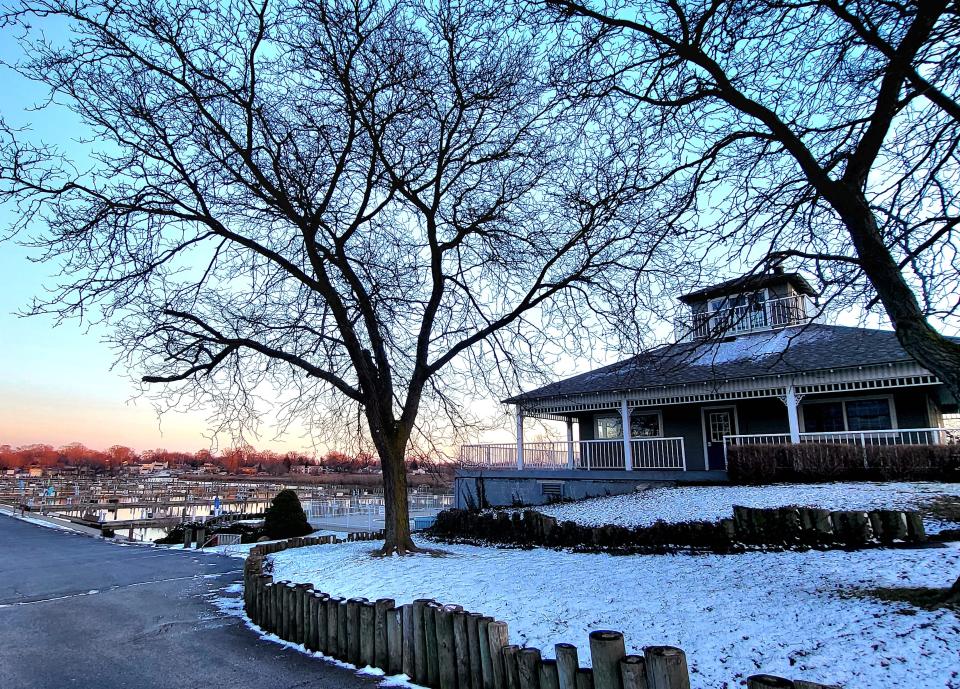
<point>360,202</point>
<point>823,133</point>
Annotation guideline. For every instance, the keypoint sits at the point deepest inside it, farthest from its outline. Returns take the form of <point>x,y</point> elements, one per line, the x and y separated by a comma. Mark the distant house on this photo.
<point>751,365</point>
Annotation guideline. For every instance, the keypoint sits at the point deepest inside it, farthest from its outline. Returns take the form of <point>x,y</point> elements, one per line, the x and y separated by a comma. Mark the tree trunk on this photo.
<point>918,338</point>
<point>397,537</point>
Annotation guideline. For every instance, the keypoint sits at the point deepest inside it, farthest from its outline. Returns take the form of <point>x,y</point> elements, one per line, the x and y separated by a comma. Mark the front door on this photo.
<point>717,423</point>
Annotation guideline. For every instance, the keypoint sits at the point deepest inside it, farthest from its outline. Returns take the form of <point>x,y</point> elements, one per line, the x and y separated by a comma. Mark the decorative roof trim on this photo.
<point>881,376</point>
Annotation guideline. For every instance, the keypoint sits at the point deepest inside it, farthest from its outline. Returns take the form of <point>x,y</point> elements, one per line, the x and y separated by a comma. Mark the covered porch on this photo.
<point>694,432</point>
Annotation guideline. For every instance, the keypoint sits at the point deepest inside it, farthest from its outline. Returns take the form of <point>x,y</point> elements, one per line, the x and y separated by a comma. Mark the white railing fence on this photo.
<point>897,436</point>
<point>773,313</point>
<point>647,453</point>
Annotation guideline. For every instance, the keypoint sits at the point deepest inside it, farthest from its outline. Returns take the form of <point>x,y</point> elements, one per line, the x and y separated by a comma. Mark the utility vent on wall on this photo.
<point>552,489</point>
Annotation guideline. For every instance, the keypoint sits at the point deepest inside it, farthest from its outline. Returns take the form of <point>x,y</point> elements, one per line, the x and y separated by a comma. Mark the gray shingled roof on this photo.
<point>749,282</point>
<point>808,348</point>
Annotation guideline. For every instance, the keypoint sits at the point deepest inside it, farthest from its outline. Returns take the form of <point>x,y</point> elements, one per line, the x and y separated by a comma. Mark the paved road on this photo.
<point>80,612</point>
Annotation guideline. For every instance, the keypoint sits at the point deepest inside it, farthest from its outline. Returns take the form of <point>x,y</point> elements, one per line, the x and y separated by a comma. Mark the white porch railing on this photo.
<point>895,436</point>
<point>647,453</point>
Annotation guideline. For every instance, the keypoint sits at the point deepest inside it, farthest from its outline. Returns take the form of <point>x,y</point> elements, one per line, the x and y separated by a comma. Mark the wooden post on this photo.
<point>353,630</point>
<point>567,665</point>
<point>666,668</point>
<point>278,608</point>
<point>633,671</point>
<point>309,620</point>
<point>915,530</point>
<point>420,640</point>
<point>394,654</point>
<point>528,662</point>
<point>263,604</point>
<point>320,621</point>
<point>584,678</point>
<point>187,537</point>
<point>461,646</point>
<point>606,651</point>
<point>430,635</point>
<point>549,677</point>
<point>278,592</point>
<point>446,648</point>
<point>406,631</point>
<point>332,604</point>
<point>768,682</point>
<point>511,667</point>
<point>201,537</point>
<point>343,624</point>
<point>851,526</point>
<point>380,650</point>
<point>498,636</point>
<point>289,611</point>
<point>300,602</point>
<point>368,634</point>
<point>473,643</point>
<point>486,662</point>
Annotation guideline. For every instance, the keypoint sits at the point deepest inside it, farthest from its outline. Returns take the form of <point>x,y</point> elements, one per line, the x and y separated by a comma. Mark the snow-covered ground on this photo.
<point>709,503</point>
<point>791,614</point>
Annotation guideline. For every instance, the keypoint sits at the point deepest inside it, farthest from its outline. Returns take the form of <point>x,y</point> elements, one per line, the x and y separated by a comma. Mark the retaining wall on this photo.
<point>784,527</point>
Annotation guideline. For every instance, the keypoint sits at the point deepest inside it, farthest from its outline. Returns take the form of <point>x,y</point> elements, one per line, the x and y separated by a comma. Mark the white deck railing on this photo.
<point>766,315</point>
<point>647,453</point>
<point>895,436</point>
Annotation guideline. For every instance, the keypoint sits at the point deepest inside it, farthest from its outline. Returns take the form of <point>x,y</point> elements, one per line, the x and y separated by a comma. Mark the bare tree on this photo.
<point>822,132</point>
<point>367,205</point>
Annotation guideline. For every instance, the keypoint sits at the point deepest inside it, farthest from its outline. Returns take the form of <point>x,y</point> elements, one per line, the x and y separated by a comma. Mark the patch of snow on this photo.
<point>754,346</point>
<point>792,614</point>
<point>709,503</point>
<point>37,521</point>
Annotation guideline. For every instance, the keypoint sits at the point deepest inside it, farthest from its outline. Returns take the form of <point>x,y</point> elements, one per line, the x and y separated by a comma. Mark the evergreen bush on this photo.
<point>285,517</point>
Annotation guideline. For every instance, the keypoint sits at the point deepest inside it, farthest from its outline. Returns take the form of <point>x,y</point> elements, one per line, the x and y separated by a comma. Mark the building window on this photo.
<point>823,417</point>
<point>847,415</point>
<point>868,415</point>
<point>608,428</point>
<point>739,312</point>
<point>642,425</point>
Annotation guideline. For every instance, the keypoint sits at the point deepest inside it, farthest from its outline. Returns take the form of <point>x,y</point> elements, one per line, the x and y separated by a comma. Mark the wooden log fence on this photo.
<point>445,647</point>
<point>749,527</point>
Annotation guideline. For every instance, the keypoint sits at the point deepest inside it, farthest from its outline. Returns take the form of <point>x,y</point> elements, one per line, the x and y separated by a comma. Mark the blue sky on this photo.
<point>57,383</point>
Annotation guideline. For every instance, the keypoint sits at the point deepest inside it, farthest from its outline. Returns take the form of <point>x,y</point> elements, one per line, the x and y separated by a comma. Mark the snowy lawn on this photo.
<point>709,503</point>
<point>792,614</point>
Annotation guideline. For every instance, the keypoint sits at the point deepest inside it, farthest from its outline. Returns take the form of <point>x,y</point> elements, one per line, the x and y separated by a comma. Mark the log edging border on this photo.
<point>444,646</point>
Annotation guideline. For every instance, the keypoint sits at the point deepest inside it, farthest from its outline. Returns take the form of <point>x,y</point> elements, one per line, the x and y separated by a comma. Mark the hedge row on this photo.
<point>759,464</point>
<point>777,528</point>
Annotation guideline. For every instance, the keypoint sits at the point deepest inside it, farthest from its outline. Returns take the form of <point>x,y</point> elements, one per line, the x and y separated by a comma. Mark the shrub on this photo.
<point>285,517</point>
<point>759,464</point>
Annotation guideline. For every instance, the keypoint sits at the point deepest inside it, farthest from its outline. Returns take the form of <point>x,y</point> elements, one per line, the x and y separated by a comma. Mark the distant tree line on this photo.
<point>231,460</point>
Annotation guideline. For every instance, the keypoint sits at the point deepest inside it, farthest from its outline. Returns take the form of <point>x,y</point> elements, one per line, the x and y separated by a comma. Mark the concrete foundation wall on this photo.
<point>473,489</point>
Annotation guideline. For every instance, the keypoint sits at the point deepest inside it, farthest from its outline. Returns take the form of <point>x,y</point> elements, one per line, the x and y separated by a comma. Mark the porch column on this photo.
<point>519,438</point>
<point>792,418</point>
<point>625,425</point>
<point>570,460</point>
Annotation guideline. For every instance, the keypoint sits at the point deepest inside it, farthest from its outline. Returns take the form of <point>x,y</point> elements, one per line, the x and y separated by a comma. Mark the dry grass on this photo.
<point>922,598</point>
<point>943,507</point>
